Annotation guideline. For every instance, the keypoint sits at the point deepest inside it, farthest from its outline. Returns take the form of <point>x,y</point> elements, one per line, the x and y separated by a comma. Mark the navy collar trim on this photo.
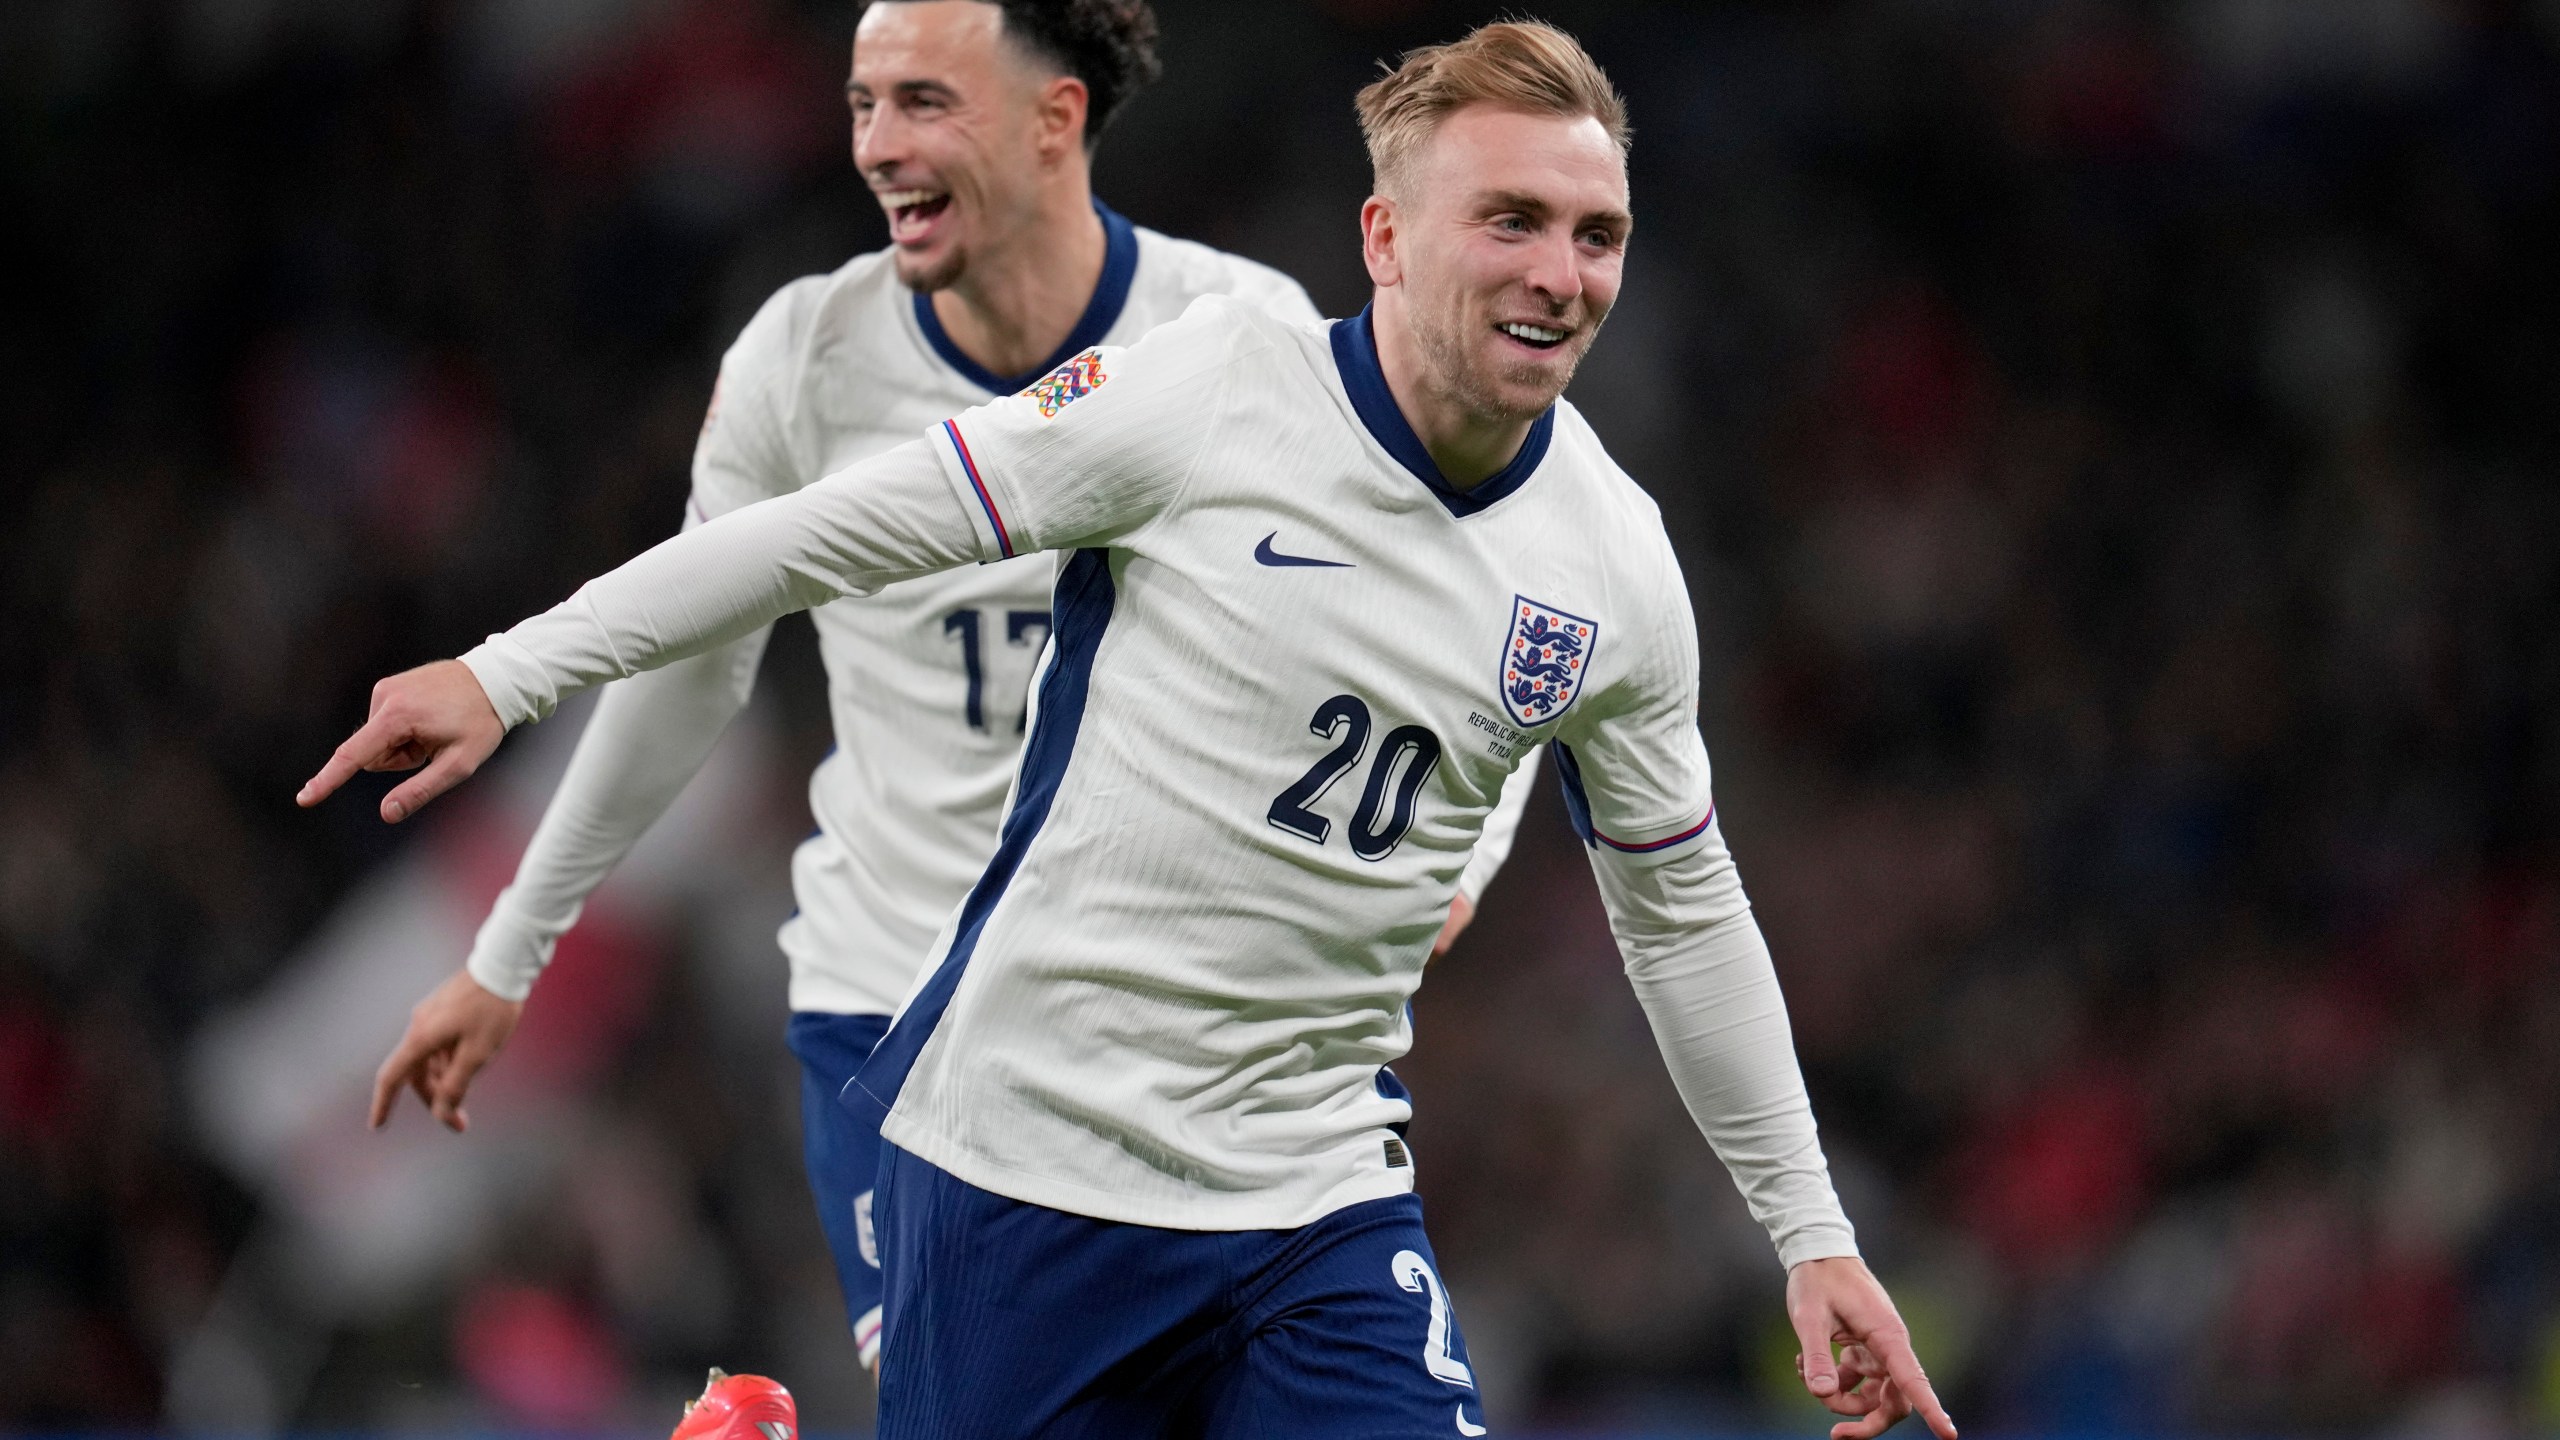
<point>1355,354</point>
<point>1110,296</point>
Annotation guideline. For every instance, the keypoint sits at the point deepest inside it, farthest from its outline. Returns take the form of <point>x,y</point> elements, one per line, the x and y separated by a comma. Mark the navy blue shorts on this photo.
<point>1008,1320</point>
<point>842,1149</point>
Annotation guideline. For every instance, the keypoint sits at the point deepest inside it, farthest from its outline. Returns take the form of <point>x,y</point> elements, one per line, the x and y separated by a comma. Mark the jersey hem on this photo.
<point>819,982</point>
<point>1200,1210</point>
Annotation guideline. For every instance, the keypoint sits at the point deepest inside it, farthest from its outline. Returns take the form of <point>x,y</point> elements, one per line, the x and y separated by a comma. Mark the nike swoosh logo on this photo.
<point>1268,556</point>
<point>1463,1427</point>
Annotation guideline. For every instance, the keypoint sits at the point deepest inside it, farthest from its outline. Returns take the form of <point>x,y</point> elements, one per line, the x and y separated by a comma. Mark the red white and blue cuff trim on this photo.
<point>1649,846</point>
<point>977,482</point>
<point>1577,807</point>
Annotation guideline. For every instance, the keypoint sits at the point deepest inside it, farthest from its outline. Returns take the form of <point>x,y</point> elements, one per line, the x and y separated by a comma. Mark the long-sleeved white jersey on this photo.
<point>926,681</point>
<point>1292,672</point>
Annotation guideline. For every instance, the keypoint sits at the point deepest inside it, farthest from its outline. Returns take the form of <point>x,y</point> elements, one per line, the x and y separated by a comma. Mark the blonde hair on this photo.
<point>1517,64</point>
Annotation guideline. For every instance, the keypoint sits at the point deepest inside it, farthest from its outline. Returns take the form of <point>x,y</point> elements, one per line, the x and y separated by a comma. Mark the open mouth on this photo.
<point>912,212</point>
<point>1536,337</point>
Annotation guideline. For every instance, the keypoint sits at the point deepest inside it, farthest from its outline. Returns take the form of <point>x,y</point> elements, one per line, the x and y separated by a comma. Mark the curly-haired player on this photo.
<point>973,125</point>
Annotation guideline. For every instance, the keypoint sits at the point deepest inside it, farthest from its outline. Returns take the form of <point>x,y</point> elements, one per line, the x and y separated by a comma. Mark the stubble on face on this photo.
<point>1485,387</point>
<point>926,274</point>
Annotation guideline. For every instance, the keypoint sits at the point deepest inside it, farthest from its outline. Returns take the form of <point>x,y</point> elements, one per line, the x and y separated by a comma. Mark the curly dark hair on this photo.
<point>1110,45</point>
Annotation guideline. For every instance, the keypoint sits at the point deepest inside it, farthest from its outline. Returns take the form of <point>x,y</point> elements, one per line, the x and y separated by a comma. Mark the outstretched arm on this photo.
<point>884,520</point>
<point>1036,471</point>
<point>648,737</point>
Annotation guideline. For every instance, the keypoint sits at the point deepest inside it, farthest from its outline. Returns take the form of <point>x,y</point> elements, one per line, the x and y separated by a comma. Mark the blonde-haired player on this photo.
<point>1141,1179</point>
<point>974,124</point>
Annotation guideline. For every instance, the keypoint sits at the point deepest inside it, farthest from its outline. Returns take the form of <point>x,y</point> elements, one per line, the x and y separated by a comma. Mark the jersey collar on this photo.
<point>1110,295</point>
<point>1355,354</point>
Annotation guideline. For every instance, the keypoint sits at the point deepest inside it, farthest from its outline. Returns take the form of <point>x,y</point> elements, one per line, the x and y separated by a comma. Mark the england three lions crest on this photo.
<point>1544,660</point>
<point>1067,384</point>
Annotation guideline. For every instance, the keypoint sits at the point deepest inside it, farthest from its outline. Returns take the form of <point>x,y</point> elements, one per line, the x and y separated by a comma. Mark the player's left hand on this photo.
<point>452,1033</point>
<point>437,716</point>
<point>1462,912</point>
<point>1877,1378</point>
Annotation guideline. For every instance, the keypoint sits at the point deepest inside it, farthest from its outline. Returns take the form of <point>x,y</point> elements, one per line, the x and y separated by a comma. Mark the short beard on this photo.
<point>1479,395</point>
<point>942,275</point>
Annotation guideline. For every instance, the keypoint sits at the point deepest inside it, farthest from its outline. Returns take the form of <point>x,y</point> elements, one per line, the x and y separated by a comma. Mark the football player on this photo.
<point>1327,585</point>
<point>974,125</point>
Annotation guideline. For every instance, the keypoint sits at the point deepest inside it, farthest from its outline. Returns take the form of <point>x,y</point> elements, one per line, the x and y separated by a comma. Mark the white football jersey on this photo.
<point>1292,672</point>
<point>926,682</point>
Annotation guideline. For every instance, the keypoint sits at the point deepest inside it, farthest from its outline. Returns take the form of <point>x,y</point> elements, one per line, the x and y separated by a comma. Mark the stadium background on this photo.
<point>2113,449</point>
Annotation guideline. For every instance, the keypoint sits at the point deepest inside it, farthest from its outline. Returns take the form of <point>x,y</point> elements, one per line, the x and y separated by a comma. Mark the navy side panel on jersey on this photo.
<point>1084,601</point>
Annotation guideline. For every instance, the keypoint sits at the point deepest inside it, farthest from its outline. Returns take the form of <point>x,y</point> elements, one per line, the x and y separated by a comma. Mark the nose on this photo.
<point>879,140</point>
<point>1555,269</point>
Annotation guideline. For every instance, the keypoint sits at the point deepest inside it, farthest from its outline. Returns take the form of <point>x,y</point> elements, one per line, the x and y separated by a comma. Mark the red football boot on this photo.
<point>740,1407</point>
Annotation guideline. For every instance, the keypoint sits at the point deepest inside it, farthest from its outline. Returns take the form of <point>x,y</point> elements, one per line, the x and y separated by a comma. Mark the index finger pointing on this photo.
<point>370,742</point>
<point>1903,1365</point>
<point>398,1069</point>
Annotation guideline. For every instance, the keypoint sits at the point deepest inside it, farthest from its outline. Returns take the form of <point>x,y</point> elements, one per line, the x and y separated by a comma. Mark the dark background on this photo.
<point>2112,445</point>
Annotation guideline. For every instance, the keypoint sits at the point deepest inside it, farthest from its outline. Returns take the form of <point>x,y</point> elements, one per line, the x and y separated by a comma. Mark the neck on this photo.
<point>1020,299</point>
<point>1469,446</point>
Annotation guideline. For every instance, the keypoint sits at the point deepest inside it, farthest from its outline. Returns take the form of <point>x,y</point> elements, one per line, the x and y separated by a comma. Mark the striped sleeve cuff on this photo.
<point>1653,843</point>
<point>1596,836</point>
<point>997,537</point>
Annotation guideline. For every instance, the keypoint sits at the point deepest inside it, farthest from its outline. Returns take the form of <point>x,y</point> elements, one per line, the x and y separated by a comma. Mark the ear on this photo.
<point>1058,117</point>
<point>1378,241</point>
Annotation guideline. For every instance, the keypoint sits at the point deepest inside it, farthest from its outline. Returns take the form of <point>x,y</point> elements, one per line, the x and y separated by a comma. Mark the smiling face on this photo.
<point>953,129</point>
<point>1506,232</point>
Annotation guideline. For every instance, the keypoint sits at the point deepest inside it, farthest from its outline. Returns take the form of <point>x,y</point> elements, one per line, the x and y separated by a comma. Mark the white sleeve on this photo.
<point>1091,453</point>
<point>886,519</point>
<point>650,734</point>
<point>1699,966</point>
<point>1501,828</point>
<point>1638,787</point>
<point>648,737</point>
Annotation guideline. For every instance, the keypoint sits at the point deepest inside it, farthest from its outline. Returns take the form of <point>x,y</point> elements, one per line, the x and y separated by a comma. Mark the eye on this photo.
<point>1513,224</point>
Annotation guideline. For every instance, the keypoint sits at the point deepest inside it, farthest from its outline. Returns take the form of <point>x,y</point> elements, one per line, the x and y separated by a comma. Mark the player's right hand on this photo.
<point>1875,1379</point>
<point>452,1033</point>
<point>437,716</point>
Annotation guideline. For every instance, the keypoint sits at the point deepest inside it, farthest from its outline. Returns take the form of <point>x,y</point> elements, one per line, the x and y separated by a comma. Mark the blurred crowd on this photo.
<point>2115,447</point>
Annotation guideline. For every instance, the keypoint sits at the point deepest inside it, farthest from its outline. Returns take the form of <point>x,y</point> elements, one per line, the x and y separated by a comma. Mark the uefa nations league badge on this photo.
<point>1544,661</point>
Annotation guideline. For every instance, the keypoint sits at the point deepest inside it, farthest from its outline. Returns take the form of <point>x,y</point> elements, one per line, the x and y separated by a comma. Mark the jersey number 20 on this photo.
<point>1406,759</point>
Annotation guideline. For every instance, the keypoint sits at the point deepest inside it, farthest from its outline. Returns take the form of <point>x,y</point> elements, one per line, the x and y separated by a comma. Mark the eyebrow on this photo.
<point>905,88</point>
<point>1532,205</point>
